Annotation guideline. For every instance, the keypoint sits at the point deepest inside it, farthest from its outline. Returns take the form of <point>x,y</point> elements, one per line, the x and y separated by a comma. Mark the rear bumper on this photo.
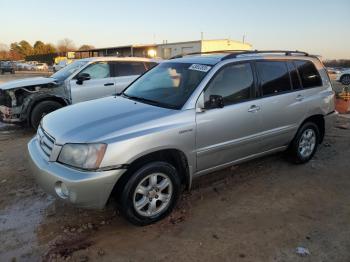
<point>329,121</point>
<point>85,189</point>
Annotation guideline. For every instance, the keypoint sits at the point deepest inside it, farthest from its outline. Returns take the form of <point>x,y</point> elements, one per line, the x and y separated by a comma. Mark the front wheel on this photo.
<point>305,143</point>
<point>150,194</point>
<point>42,109</point>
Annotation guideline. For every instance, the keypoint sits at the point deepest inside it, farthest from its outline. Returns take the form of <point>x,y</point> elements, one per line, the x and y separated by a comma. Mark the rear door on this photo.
<point>125,72</point>
<point>232,132</point>
<point>282,102</point>
<point>101,83</point>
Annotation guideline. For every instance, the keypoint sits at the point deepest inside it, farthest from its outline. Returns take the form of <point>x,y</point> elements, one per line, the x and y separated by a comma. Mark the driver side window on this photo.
<point>97,70</point>
<point>233,83</point>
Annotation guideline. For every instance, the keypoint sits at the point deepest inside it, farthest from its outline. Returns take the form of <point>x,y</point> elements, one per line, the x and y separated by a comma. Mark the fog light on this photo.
<point>61,189</point>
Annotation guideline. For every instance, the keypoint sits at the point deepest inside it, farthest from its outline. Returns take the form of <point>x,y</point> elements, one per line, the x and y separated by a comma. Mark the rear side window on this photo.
<point>129,68</point>
<point>308,74</point>
<point>294,76</point>
<point>233,83</point>
<point>274,77</point>
<point>150,65</point>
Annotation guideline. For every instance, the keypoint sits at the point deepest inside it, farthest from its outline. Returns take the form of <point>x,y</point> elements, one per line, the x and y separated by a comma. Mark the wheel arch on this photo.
<point>33,103</point>
<point>175,157</point>
<point>317,119</point>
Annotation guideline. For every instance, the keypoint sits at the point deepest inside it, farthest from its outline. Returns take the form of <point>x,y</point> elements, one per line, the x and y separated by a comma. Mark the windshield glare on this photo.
<point>65,72</point>
<point>168,84</point>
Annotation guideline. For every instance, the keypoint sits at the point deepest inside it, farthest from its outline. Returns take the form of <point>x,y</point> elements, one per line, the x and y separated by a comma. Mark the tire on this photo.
<point>42,109</point>
<point>151,193</point>
<point>345,79</point>
<point>305,143</point>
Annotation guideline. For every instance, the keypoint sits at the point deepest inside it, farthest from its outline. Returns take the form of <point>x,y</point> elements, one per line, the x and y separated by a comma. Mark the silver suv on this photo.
<point>186,117</point>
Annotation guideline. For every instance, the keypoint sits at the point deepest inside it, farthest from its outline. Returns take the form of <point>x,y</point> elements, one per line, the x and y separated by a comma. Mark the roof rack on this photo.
<point>235,53</point>
<point>208,52</point>
<point>248,52</point>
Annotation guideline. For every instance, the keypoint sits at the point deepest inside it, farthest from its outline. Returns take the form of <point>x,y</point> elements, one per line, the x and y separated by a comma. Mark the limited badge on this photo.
<point>198,67</point>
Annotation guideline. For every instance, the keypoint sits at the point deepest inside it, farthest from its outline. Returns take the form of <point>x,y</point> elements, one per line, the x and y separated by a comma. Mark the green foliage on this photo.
<point>40,48</point>
<point>25,48</point>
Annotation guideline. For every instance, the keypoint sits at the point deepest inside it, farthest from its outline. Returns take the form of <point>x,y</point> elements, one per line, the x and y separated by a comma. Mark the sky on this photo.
<point>317,26</point>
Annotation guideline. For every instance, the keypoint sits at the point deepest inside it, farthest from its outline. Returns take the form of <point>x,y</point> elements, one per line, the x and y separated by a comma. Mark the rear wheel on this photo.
<point>345,79</point>
<point>150,194</point>
<point>305,143</point>
<point>42,109</point>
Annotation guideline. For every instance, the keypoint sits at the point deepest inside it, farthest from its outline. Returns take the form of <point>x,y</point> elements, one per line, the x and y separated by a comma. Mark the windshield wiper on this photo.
<point>149,101</point>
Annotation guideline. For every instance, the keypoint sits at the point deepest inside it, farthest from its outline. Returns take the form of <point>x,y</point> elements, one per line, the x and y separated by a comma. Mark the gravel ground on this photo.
<point>258,211</point>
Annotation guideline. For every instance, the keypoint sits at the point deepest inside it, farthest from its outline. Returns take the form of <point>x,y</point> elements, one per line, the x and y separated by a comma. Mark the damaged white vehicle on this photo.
<point>28,100</point>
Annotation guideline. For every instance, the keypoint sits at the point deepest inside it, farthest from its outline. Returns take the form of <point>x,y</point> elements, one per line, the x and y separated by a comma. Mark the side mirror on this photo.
<point>82,77</point>
<point>215,101</point>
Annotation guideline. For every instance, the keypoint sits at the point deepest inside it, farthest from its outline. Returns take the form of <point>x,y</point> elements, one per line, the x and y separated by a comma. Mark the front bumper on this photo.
<point>8,115</point>
<point>85,189</point>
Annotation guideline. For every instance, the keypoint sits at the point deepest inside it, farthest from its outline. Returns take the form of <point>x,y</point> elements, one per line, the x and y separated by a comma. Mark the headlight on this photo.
<point>85,156</point>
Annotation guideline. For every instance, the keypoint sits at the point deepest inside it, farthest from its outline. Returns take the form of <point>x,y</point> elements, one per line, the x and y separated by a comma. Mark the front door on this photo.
<point>232,132</point>
<point>100,84</point>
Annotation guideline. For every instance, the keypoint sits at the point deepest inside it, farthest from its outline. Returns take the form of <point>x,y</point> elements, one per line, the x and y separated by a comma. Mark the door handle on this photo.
<point>109,84</point>
<point>254,109</point>
<point>299,98</point>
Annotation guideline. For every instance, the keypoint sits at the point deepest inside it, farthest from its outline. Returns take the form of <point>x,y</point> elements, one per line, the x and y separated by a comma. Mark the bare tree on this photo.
<point>86,47</point>
<point>65,45</point>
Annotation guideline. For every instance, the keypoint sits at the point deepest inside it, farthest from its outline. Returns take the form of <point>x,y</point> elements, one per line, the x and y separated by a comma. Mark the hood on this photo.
<point>33,81</point>
<point>100,119</point>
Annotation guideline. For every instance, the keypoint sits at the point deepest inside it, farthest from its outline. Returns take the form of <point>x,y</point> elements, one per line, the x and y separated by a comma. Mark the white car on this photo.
<point>28,100</point>
<point>41,67</point>
<point>343,76</point>
<point>60,65</point>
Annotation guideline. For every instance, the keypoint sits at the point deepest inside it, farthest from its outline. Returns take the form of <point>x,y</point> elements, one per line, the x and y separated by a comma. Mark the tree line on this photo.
<point>338,63</point>
<point>20,50</point>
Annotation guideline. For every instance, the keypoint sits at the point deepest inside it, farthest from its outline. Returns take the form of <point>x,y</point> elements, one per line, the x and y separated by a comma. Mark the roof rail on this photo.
<point>285,52</point>
<point>208,52</point>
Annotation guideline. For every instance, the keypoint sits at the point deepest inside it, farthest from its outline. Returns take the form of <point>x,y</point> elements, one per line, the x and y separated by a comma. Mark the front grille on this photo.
<point>46,141</point>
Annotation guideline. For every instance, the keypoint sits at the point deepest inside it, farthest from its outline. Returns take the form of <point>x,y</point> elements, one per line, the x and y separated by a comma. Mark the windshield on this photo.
<point>168,84</point>
<point>65,72</point>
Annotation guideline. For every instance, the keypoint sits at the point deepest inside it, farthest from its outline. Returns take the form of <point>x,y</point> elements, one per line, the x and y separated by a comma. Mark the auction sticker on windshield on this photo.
<point>198,67</point>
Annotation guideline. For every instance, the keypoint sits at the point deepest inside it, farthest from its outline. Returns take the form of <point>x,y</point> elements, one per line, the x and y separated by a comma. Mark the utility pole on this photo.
<point>202,36</point>
<point>244,37</point>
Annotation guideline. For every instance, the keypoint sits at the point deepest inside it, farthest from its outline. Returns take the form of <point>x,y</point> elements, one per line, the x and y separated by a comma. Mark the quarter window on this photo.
<point>97,70</point>
<point>274,77</point>
<point>309,74</point>
<point>233,83</point>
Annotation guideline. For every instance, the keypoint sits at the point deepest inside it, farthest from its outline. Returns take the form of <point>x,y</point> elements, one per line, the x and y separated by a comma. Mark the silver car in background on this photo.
<point>187,117</point>
<point>28,100</point>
